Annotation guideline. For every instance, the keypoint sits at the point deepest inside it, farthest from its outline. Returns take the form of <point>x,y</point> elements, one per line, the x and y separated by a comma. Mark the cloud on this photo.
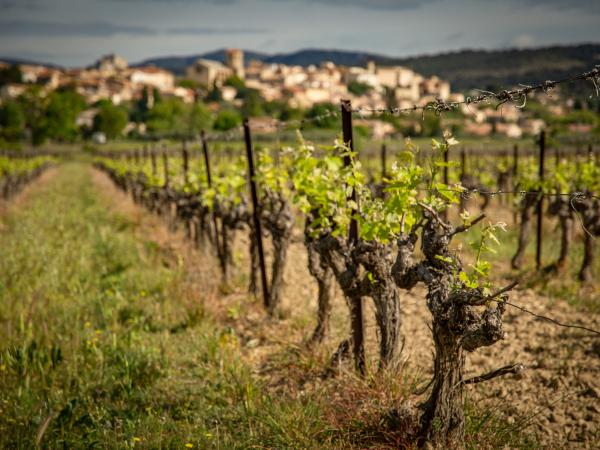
<point>523,41</point>
<point>214,2</point>
<point>453,37</point>
<point>589,6</point>
<point>375,4</point>
<point>209,31</point>
<point>106,29</point>
<point>6,5</point>
<point>94,29</point>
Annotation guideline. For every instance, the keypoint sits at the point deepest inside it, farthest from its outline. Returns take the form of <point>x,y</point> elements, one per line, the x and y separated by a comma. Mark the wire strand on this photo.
<point>548,319</point>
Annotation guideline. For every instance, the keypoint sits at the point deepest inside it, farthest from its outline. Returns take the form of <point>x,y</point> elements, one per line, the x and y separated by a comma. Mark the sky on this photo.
<point>78,32</point>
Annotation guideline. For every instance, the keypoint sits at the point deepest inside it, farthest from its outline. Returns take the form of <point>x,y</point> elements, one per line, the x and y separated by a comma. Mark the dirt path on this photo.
<point>30,189</point>
<point>558,396</point>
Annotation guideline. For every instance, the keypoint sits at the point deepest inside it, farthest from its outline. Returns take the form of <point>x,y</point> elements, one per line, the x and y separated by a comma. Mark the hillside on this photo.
<point>465,69</point>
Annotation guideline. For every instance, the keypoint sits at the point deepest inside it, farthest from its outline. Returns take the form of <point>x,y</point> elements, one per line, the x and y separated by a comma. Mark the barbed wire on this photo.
<point>466,192</point>
<point>438,106</point>
<point>507,95</point>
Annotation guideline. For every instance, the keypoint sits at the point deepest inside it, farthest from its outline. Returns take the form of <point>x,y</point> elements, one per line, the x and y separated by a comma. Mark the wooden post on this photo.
<point>540,205</point>
<point>153,161</point>
<point>256,214</point>
<point>165,158</point>
<point>358,326</point>
<point>185,163</point>
<point>209,184</point>
<point>383,161</point>
<point>463,163</point>
<point>446,180</point>
<point>515,174</point>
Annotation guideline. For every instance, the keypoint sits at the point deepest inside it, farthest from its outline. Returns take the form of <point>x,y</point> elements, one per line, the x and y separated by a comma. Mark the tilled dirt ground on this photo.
<point>557,396</point>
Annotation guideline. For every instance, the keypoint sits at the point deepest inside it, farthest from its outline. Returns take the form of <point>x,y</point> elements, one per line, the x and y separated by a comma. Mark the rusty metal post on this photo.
<point>540,205</point>
<point>256,213</point>
<point>165,158</point>
<point>383,161</point>
<point>358,326</point>
<point>209,184</point>
<point>185,161</point>
<point>153,161</point>
<point>446,180</point>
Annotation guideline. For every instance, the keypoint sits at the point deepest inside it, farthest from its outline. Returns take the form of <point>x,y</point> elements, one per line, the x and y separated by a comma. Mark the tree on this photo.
<point>199,118</point>
<point>226,120</point>
<point>34,107</point>
<point>11,74</point>
<point>431,125</point>
<point>359,89</point>
<point>253,103</point>
<point>325,112</point>
<point>12,121</point>
<point>167,117</point>
<point>61,115</point>
<point>288,113</point>
<point>215,94</point>
<point>110,120</point>
<point>173,117</point>
<point>236,82</point>
<point>53,116</point>
<point>188,83</point>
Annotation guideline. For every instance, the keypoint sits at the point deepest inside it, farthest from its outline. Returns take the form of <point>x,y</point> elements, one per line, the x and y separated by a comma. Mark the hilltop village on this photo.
<point>263,90</point>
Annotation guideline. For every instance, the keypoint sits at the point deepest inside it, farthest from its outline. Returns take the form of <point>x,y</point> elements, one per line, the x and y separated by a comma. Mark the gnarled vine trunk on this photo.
<point>281,243</point>
<point>463,320</point>
<point>254,262</point>
<point>561,208</point>
<point>324,277</point>
<point>377,260</point>
<point>527,204</point>
<point>585,273</point>
<point>443,419</point>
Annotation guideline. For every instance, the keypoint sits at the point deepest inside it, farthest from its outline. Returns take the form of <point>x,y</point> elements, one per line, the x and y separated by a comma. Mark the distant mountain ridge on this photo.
<point>27,62</point>
<point>305,57</point>
<point>465,69</point>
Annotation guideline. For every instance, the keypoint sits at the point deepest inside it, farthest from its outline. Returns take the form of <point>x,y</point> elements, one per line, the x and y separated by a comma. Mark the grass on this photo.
<point>100,349</point>
<point>103,345</point>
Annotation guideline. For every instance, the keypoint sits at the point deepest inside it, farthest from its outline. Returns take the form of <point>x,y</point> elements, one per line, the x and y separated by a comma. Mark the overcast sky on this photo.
<point>77,32</point>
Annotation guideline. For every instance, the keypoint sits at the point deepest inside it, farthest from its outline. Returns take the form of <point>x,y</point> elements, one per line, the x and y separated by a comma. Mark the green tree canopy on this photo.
<point>12,121</point>
<point>11,74</point>
<point>253,103</point>
<point>110,120</point>
<point>227,119</point>
<point>357,88</point>
<point>236,82</point>
<point>174,117</point>
<point>61,115</point>
<point>321,110</point>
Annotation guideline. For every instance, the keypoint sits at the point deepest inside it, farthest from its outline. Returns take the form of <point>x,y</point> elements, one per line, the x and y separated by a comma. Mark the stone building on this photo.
<point>111,64</point>
<point>234,59</point>
<point>208,73</point>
